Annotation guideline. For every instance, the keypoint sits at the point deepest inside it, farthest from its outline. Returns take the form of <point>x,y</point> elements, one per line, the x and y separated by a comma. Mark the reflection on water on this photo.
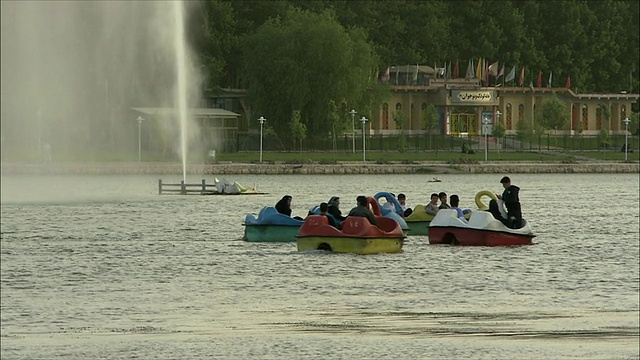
<point>102,267</point>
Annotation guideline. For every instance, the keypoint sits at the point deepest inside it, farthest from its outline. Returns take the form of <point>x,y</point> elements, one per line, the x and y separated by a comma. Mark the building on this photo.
<point>464,105</point>
<point>217,129</point>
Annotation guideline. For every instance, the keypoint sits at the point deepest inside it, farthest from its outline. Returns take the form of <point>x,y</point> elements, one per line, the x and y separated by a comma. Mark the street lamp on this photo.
<point>364,147</point>
<point>353,128</point>
<point>262,120</point>
<point>498,123</point>
<point>140,120</point>
<point>485,126</point>
<point>626,135</point>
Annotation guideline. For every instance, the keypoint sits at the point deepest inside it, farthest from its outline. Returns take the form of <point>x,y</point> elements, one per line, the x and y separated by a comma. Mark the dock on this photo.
<point>217,188</point>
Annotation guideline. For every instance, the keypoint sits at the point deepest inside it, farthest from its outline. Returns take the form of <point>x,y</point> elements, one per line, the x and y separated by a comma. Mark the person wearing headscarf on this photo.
<point>494,209</point>
<point>334,208</point>
<point>283,206</point>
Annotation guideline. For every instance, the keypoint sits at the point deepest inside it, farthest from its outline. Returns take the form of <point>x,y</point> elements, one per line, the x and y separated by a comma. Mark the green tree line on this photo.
<point>304,61</point>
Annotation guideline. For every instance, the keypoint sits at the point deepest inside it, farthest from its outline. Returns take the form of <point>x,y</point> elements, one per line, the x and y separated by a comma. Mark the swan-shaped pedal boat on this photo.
<point>482,228</point>
<point>270,226</point>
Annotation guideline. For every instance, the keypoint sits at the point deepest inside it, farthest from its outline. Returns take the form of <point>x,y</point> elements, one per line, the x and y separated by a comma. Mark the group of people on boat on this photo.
<point>442,197</point>
<point>510,197</point>
<point>331,210</point>
<point>334,214</point>
<point>439,201</point>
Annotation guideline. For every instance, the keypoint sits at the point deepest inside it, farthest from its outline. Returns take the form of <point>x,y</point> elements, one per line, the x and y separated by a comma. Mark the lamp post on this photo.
<point>485,125</point>
<point>261,120</point>
<point>140,119</point>
<point>364,147</point>
<point>498,123</point>
<point>353,128</point>
<point>626,135</point>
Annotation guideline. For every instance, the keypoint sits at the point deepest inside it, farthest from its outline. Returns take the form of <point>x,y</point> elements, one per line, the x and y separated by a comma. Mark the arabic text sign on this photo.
<point>471,97</point>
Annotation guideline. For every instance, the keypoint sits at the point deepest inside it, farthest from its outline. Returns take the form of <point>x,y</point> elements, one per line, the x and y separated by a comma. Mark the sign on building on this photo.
<point>472,97</point>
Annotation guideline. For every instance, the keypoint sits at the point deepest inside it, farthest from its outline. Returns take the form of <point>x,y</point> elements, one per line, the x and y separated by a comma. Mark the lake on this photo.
<point>101,267</point>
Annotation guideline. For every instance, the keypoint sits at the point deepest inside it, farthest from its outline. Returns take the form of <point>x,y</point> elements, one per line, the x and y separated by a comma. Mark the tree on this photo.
<point>298,129</point>
<point>303,62</point>
<point>603,138</point>
<point>399,118</point>
<point>553,114</point>
<point>524,131</point>
<point>634,125</point>
<point>430,119</point>
<point>337,126</point>
<point>498,132</point>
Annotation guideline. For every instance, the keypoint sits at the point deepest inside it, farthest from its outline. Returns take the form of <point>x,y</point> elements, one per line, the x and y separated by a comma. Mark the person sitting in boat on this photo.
<point>455,201</point>
<point>432,207</point>
<point>443,201</point>
<point>324,207</point>
<point>283,206</point>
<point>389,204</point>
<point>511,199</point>
<point>494,209</point>
<point>334,208</point>
<point>402,200</point>
<point>362,210</point>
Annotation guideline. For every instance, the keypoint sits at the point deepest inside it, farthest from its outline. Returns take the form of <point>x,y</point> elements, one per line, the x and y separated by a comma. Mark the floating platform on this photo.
<point>219,187</point>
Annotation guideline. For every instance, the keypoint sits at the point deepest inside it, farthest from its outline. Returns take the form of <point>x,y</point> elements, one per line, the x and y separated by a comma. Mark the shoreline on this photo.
<point>341,168</point>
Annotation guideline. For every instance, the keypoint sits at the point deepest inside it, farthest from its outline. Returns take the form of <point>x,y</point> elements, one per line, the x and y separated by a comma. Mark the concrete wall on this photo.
<point>343,168</point>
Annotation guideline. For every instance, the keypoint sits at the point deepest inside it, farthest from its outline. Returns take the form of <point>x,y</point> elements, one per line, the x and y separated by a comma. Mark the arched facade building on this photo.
<point>462,106</point>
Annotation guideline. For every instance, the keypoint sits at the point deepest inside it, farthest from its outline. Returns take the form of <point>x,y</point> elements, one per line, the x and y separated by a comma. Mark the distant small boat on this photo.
<point>435,179</point>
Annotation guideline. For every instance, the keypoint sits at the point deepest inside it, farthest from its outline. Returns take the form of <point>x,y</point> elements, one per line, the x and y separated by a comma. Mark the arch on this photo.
<point>520,112</point>
<point>623,112</point>
<point>423,110</point>
<point>398,110</point>
<point>598,116</point>
<point>574,117</point>
<point>509,117</point>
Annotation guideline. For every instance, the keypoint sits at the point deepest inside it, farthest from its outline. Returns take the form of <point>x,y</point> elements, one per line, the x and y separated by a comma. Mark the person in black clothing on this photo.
<point>323,211</point>
<point>494,209</point>
<point>334,208</point>
<point>511,199</point>
<point>362,210</point>
<point>283,206</point>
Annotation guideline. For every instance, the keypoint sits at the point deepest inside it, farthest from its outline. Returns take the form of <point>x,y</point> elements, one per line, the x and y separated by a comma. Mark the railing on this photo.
<point>186,189</point>
<point>435,142</point>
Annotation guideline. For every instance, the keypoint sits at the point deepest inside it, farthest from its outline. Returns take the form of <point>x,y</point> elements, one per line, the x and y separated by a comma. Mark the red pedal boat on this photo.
<point>482,229</point>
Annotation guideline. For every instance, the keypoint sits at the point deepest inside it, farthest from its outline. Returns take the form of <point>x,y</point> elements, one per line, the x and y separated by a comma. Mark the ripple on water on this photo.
<point>168,277</point>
